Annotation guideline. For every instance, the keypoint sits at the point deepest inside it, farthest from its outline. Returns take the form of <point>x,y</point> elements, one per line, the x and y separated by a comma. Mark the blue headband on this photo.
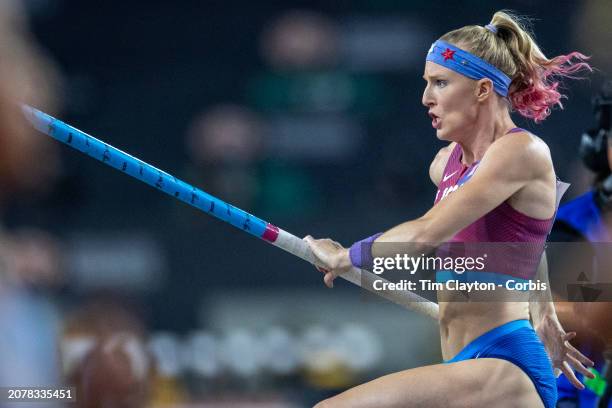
<point>469,65</point>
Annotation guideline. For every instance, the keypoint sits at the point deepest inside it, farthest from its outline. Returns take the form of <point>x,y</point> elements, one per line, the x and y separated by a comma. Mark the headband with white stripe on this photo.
<point>469,65</point>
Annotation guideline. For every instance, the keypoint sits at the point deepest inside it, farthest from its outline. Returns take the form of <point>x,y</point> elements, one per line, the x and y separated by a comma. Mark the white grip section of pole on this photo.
<point>360,277</point>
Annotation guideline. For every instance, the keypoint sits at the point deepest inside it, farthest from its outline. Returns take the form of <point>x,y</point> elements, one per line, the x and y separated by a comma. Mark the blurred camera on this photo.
<point>594,142</point>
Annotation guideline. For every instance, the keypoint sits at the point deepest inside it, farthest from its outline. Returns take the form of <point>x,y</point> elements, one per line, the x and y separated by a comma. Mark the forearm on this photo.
<point>564,357</point>
<point>412,238</point>
<point>542,313</point>
<point>541,306</point>
<point>382,245</point>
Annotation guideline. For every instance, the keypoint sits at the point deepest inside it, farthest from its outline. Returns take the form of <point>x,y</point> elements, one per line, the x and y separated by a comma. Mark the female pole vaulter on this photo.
<point>496,183</point>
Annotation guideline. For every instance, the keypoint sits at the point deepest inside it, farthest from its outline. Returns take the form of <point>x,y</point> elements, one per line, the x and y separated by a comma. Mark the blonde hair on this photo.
<point>511,48</point>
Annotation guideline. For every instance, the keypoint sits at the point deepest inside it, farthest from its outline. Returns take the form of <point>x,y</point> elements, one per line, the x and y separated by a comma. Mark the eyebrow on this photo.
<point>432,77</point>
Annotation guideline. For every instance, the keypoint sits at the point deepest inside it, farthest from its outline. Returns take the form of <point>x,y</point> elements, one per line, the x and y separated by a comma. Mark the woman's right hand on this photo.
<point>331,258</point>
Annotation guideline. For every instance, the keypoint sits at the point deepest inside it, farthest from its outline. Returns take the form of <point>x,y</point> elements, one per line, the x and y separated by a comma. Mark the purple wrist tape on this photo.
<point>361,252</point>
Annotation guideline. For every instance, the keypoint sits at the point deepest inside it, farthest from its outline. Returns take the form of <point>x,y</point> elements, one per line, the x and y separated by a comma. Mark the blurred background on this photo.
<point>305,113</point>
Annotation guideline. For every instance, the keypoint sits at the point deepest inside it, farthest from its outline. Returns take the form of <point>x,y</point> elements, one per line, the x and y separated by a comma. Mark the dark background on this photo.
<point>342,146</point>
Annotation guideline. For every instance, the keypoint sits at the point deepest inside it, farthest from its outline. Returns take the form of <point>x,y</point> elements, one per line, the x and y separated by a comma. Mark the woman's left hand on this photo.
<point>331,258</point>
<point>565,357</point>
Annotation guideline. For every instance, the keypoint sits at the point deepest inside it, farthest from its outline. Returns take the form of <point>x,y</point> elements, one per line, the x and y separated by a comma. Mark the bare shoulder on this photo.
<point>439,163</point>
<point>526,151</point>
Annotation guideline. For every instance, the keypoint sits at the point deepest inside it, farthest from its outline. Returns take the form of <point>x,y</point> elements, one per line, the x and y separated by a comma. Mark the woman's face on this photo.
<point>452,103</point>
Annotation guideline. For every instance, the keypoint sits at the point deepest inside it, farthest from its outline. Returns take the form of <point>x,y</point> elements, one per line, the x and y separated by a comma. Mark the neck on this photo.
<point>484,132</point>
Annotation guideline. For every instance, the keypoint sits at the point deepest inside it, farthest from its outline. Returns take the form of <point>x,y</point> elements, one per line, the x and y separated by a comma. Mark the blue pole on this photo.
<point>203,201</point>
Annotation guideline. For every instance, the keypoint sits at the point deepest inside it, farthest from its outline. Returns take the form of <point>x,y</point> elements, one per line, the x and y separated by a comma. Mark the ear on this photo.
<point>484,88</point>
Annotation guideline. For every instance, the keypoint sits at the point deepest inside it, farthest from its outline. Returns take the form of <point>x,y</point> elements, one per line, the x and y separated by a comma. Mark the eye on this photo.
<point>441,83</point>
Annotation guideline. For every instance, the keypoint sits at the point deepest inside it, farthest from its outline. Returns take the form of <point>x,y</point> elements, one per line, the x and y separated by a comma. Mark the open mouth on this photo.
<point>435,120</point>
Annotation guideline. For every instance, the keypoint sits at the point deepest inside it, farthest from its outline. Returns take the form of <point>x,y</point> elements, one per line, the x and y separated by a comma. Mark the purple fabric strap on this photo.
<point>361,252</point>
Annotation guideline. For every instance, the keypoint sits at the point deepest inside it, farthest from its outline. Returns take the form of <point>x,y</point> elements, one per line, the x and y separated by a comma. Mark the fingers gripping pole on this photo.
<point>203,201</point>
<point>360,277</point>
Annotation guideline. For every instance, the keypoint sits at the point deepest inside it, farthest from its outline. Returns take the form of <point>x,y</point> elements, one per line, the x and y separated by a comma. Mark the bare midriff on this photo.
<point>461,321</point>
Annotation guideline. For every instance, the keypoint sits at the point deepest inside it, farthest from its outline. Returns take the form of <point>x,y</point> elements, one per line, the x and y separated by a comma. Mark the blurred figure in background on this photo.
<point>300,40</point>
<point>28,163</point>
<point>29,318</point>
<point>30,260</point>
<point>104,355</point>
<point>317,112</point>
<point>225,145</point>
<point>588,219</point>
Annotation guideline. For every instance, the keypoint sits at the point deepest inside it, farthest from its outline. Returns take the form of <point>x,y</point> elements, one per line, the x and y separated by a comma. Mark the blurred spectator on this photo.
<point>29,318</point>
<point>307,75</point>
<point>104,355</point>
<point>229,147</point>
<point>301,40</point>
<point>33,258</point>
<point>317,112</point>
<point>586,221</point>
<point>28,162</point>
<point>30,260</point>
<point>225,145</point>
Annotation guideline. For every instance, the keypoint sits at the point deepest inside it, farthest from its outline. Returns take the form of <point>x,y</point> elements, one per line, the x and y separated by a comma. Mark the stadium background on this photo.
<point>306,114</point>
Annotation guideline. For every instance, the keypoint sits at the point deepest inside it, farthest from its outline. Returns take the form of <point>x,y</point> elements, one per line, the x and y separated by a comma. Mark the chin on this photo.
<point>447,134</point>
<point>442,135</point>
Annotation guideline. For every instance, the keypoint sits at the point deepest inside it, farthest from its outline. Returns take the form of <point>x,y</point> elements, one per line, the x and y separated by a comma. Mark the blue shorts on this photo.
<point>519,344</point>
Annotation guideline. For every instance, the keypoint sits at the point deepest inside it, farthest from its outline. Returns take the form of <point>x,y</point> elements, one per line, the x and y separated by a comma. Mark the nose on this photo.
<point>427,99</point>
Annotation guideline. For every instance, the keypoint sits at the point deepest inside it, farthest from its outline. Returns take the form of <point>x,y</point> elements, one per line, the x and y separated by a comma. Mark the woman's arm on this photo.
<point>510,164</point>
<point>546,323</point>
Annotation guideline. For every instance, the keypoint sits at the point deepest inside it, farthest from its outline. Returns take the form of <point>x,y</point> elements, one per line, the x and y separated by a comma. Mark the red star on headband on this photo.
<point>448,54</point>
